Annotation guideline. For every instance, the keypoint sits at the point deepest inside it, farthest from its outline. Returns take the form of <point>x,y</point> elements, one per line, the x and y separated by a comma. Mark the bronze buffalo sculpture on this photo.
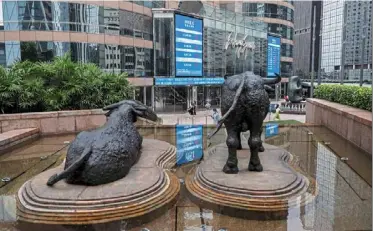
<point>106,154</point>
<point>245,106</point>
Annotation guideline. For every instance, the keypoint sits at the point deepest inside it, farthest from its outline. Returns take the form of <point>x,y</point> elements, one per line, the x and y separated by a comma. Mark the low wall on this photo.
<point>56,122</point>
<point>353,124</point>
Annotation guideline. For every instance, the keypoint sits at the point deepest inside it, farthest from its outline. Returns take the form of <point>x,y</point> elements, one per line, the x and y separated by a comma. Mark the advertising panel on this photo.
<point>188,46</point>
<point>189,143</point>
<point>273,55</point>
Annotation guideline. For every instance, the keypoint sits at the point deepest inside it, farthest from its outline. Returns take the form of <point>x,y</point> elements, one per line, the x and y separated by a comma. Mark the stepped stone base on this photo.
<point>148,187</point>
<point>251,195</point>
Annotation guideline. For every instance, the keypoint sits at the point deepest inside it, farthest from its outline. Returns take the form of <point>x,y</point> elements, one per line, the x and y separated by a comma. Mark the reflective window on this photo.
<point>151,4</point>
<point>286,50</point>
<point>286,69</point>
<point>13,52</point>
<point>10,15</point>
<point>126,23</point>
<point>284,31</point>
<point>60,12</point>
<point>35,15</point>
<point>112,58</point>
<point>111,21</point>
<point>2,55</point>
<point>63,16</point>
<point>268,10</point>
<point>37,51</point>
<point>164,41</point>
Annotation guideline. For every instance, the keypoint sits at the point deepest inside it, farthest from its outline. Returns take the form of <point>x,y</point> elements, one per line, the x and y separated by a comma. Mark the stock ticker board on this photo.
<point>188,46</point>
<point>187,81</point>
<point>273,56</point>
<point>189,143</point>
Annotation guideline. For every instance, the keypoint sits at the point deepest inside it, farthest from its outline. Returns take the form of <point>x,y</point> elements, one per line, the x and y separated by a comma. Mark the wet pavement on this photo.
<point>343,203</point>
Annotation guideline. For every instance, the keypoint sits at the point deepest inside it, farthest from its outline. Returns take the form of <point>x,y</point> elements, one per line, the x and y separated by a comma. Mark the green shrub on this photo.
<point>355,96</point>
<point>59,85</point>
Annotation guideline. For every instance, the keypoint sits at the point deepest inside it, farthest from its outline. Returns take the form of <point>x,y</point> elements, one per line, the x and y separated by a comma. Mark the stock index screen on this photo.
<point>273,56</point>
<point>188,46</point>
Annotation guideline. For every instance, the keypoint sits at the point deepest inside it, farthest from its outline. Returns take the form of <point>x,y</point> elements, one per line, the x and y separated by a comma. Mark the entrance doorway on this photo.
<point>177,99</point>
<point>192,95</point>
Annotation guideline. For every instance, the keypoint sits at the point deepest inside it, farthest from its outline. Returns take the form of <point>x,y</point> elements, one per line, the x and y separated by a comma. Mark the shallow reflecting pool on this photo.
<point>342,171</point>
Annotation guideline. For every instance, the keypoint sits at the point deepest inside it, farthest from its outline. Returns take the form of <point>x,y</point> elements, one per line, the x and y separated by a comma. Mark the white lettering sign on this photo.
<point>242,46</point>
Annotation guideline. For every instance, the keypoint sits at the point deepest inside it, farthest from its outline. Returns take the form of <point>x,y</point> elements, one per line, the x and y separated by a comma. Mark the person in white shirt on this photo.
<point>215,116</point>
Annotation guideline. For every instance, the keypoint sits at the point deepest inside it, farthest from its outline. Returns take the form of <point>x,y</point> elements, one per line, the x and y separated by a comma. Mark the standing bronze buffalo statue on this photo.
<point>245,106</point>
<point>106,154</point>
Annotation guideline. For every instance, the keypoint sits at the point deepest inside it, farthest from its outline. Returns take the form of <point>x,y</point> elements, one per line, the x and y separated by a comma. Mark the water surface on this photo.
<point>343,203</point>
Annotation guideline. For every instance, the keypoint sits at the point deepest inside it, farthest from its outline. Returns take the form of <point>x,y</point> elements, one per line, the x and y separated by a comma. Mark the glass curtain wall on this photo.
<point>76,17</point>
<point>222,28</point>
<point>135,61</point>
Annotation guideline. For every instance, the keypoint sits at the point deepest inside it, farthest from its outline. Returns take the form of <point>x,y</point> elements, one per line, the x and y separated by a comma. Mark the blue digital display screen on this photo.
<point>188,81</point>
<point>188,46</point>
<point>189,143</point>
<point>273,56</point>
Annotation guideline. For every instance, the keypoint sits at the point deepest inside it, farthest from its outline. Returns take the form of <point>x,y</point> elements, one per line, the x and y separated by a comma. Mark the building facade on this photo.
<point>346,40</point>
<point>116,38</point>
<point>279,15</point>
<point>221,29</point>
<point>303,33</point>
<point>124,36</point>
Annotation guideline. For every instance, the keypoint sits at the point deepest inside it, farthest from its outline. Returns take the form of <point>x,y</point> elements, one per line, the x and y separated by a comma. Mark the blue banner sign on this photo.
<point>273,56</point>
<point>271,130</point>
<point>189,143</point>
<point>188,46</point>
<point>188,81</point>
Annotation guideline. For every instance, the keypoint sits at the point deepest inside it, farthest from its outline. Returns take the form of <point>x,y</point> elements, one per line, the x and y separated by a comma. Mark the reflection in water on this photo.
<point>325,176</point>
<point>343,202</point>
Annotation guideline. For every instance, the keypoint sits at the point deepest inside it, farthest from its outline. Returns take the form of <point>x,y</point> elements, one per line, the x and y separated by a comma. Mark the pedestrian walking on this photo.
<point>215,116</point>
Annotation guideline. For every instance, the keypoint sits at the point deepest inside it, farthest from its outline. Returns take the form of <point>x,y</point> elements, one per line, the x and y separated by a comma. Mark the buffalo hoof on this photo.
<point>261,149</point>
<point>255,168</point>
<point>239,147</point>
<point>230,170</point>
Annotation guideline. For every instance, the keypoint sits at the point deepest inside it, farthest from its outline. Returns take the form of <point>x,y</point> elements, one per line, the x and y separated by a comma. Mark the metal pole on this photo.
<point>342,73</point>
<point>144,93</point>
<point>320,49</point>
<point>363,48</point>
<point>153,98</point>
<point>276,92</point>
<point>313,50</point>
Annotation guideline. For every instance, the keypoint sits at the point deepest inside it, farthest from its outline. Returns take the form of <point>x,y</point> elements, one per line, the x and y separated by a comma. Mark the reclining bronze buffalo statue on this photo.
<point>106,154</point>
<point>245,106</point>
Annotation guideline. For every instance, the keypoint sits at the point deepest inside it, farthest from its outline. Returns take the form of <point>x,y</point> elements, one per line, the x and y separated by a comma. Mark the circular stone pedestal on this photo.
<point>252,195</point>
<point>147,187</point>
